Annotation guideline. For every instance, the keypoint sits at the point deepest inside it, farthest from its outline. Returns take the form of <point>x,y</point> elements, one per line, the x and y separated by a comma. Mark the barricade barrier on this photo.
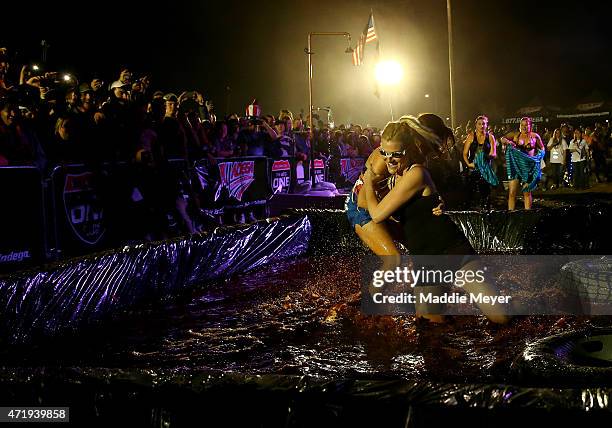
<point>22,218</point>
<point>78,209</point>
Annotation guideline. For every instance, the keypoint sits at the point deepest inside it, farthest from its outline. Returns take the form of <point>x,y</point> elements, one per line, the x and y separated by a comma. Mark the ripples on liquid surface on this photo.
<point>298,317</point>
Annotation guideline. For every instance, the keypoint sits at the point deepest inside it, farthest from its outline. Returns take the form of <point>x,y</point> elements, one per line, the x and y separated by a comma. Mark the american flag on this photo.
<point>368,35</point>
<point>370,31</point>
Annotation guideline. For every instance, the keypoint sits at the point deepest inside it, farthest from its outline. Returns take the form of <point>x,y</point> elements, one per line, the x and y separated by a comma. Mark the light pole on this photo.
<point>449,18</point>
<point>309,52</point>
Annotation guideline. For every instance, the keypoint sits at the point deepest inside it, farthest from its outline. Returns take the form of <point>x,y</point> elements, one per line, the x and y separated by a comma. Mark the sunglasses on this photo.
<point>396,155</point>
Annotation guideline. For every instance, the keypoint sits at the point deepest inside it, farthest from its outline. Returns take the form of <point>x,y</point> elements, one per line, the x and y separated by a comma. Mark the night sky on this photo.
<point>506,52</point>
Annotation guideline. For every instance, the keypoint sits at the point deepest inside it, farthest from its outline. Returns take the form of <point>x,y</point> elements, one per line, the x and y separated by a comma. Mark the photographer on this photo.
<point>256,137</point>
<point>557,147</point>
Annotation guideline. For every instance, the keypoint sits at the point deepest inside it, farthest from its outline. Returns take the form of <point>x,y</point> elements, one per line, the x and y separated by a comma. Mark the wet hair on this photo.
<point>443,132</point>
<point>419,141</point>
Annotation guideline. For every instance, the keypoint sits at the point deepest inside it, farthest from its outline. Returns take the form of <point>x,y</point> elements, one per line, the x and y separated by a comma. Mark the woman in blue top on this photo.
<point>479,148</point>
<point>524,152</point>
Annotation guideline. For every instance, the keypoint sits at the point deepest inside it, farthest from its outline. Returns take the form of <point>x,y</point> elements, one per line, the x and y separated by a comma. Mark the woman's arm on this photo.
<point>539,143</point>
<point>573,147</point>
<point>412,182</point>
<point>509,139</point>
<point>466,148</point>
<point>493,152</point>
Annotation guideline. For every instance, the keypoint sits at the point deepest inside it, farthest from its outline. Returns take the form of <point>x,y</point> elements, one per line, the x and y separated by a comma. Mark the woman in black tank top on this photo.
<point>481,140</point>
<point>406,145</point>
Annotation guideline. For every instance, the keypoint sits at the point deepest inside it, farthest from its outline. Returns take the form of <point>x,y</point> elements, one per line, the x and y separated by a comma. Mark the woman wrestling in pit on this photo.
<point>407,145</point>
<point>524,153</point>
<point>379,237</point>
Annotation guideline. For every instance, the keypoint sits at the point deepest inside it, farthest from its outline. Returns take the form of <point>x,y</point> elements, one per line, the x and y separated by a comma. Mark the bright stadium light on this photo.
<point>389,72</point>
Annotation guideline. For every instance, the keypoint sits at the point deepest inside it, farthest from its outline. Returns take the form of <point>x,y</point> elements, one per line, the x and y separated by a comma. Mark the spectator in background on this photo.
<point>18,144</point>
<point>375,140</point>
<point>557,147</point>
<point>284,144</point>
<point>566,132</point>
<point>598,150</point>
<point>223,144</point>
<point>72,100</point>
<point>364,147</point>
<point>125,79</point>
<point>63,148</point>
<point>4,67</point>
<point>172,136</point>
<point>270,119</point>
<point>322,141</point>
<point>256,137</point>
<point>117,123</point>
<point>578,148</point>
<point>99,94</point>
<point>145,82</point>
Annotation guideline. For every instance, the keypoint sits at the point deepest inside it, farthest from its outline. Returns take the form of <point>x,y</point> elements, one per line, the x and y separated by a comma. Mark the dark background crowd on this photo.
<point>49,119</point>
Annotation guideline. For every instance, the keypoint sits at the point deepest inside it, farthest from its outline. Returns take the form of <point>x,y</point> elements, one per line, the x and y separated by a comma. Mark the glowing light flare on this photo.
<point>389,72</point>
<point>67,78</point>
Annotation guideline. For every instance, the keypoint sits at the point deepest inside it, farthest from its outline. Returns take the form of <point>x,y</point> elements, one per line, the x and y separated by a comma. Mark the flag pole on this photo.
<point>450,61</point>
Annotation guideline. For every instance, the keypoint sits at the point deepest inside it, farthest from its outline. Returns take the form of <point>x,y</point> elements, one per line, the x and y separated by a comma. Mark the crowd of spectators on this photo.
<point>48,119</point>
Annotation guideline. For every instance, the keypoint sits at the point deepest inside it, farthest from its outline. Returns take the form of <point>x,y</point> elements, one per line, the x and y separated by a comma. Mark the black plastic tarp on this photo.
<point>76,292</point>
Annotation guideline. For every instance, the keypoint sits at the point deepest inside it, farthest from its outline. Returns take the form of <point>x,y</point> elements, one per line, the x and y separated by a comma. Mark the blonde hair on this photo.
<point>419,141</point>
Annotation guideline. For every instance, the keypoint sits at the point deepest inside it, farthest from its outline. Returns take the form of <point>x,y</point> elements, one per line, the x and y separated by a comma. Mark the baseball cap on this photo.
<point>118,84</point>
<point>170,97</point>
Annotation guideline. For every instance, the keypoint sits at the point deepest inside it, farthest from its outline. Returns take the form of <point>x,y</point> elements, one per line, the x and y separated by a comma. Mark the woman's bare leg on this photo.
<point>378,238</point>
<point>512,191</point>
<point>495,313</point>
<point>527,200</point>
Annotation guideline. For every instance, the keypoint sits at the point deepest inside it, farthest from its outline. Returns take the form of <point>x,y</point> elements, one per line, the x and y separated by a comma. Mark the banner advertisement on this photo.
<point>280,176</point>
<point>78,212</point>
<point>350,168</point>
<point>242,182</point>
<point>319,170</point>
